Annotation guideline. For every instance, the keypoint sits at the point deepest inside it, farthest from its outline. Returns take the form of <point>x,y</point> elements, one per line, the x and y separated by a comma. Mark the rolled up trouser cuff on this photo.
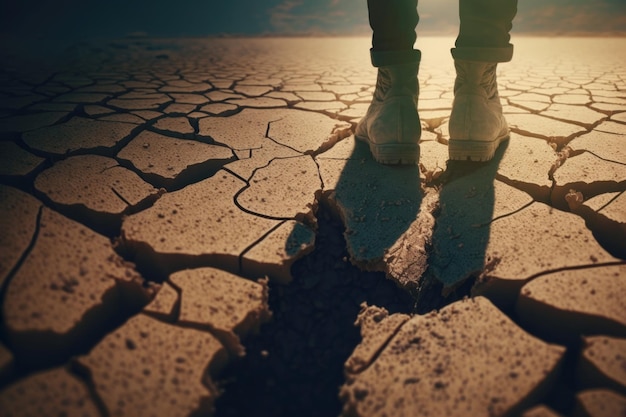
<point>483,54</point>
<point>387,58</point>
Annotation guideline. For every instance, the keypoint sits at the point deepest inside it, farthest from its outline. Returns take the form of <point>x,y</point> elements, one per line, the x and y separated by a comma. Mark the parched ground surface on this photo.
<point>189,228</point>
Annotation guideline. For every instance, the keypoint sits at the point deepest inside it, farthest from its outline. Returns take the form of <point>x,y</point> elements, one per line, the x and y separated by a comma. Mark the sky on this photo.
<point>88,19</point>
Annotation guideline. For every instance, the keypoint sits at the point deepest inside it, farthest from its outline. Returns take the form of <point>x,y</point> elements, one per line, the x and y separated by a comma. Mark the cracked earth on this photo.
<point>189,228</point>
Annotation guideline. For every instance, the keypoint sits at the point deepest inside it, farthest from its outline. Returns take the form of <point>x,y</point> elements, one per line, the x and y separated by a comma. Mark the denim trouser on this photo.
<point>483,35</point>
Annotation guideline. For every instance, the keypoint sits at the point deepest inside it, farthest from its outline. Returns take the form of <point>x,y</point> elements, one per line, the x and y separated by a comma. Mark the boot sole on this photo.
<point>474,150</point>
<point>394,153</point>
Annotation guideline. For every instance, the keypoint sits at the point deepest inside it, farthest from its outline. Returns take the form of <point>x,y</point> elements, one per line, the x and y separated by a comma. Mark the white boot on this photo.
<point>477,125</point>
<point>391,125</point>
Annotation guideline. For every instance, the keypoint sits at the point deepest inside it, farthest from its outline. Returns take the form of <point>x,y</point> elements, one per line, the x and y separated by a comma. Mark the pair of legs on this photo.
<point>391,125</point>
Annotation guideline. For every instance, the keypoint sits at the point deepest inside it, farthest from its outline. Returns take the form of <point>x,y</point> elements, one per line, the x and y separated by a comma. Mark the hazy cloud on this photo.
<point>319,16</point>
<point>441,16</point>
<point>81,19</point>
<point>571,16</point>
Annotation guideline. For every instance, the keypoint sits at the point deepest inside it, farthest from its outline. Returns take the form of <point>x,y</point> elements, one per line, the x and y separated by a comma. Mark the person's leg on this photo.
<point>477,125</point>
<point>391,125</point>
<point>393,24</point>
<point>484,30</point>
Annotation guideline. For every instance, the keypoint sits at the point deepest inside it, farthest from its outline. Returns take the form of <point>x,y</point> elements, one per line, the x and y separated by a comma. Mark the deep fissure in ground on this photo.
<point>294,366</point>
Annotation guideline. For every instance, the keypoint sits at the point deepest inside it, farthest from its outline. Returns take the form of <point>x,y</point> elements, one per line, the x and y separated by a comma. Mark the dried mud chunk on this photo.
<point>175,124</point>
<point>589,174</point>
<point>376,203</point>
<point>300,130</point>
<point>100,194</point>
<point>50,393</point>
<point>565,305</point>
<point>258,102</point>
<point>150,368</point>
<point>513,255</point>
<point>17,162</point>
<point>245,130</point>
<point>189,98</point>
<point>285,188</point>
<point>541,411</point>
<point>407,259</point>
<point>605,145</point>
<point>6,363</point>
<point>227,304</point>
<point>184,86</point>
<point>275,254</point>
<point>164,304</point>
<point>78,134</point>
<point>467,359</point>
<point>18,224</point>
<point>603,363</point>
<point>123,117</point>
<point>201,221</point>
<point>543,127</point>
<point>28,122</point>
<point>69,288</point>
<point>606,215</point>
<point>433,158</point>
<point>169,161</point>
<point>250,160</point>
<point>526,161</point>
<point>586,169</point>
<point>377,328</point>
<point>96,110</point>
<point>305,131</point>
<point>573,113</point>
<point>468,206</point>
<point>600,403</point>
<point>612,206</point>
<point>147,102</point>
